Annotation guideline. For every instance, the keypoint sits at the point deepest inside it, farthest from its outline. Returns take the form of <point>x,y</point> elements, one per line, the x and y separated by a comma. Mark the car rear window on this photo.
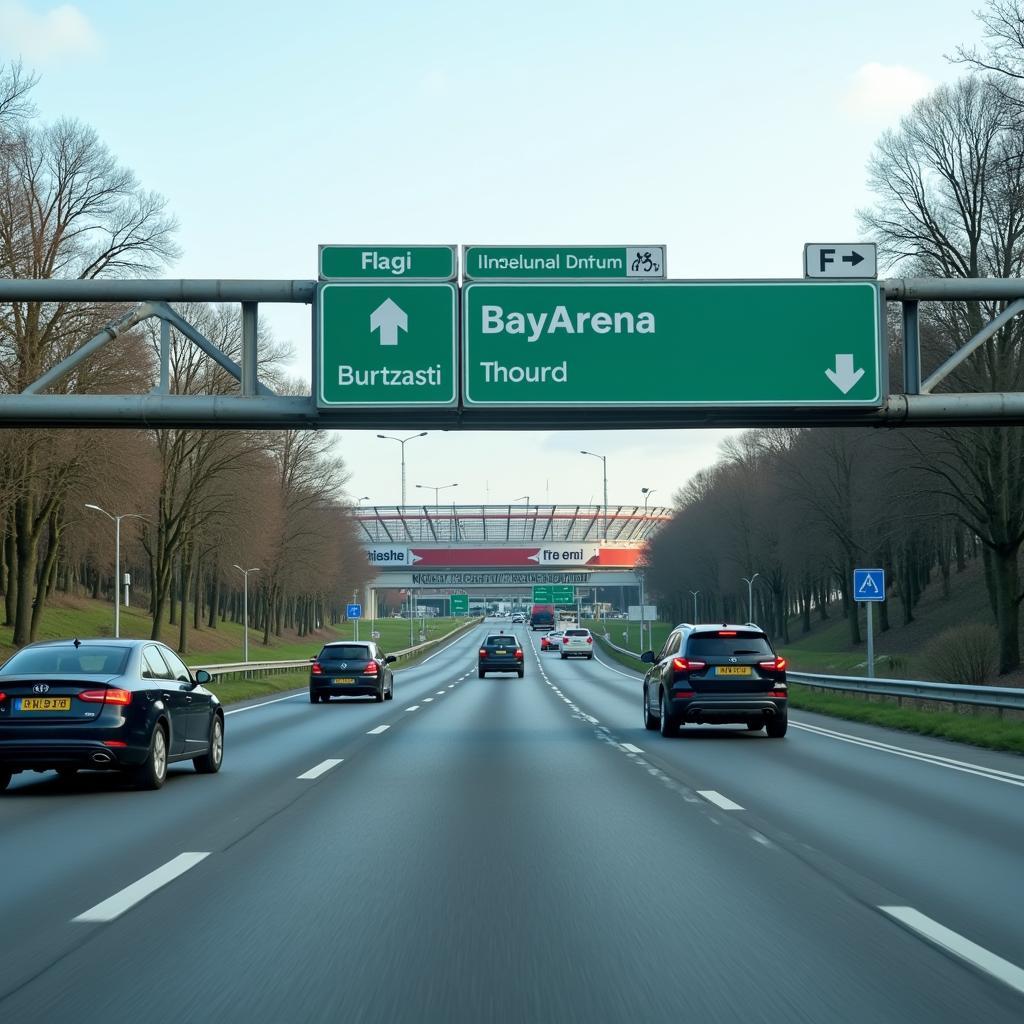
<point>501,641</point>
<point>106,661</point>
<point>577,632</point>
<point>710,645</point>
<point>346,652</point>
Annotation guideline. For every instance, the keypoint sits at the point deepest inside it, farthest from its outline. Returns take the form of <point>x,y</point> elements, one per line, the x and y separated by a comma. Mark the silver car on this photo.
<point>577,642</point>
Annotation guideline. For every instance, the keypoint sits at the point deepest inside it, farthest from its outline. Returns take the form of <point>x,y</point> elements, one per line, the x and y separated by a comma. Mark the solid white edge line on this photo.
<point>457,640</point>
<point>252,707</point>
<point>1008,973</point>
<point>718,800</point>
<point>378,730</point>
<point>117,904</point>
<point>323,766</point>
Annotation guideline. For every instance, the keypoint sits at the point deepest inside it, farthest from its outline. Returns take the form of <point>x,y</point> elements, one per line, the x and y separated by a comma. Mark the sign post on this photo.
<point>869,588</point>
<point>354,612</point>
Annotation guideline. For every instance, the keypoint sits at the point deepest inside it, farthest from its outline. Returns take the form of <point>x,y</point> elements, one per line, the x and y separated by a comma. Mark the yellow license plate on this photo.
<point>501,652</point>
<point>733,670</point>
<point>344,681</point>
<point>44,704</point>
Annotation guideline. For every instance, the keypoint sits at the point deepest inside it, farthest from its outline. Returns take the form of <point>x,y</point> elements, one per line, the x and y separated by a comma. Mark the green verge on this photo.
<point>980,730</point>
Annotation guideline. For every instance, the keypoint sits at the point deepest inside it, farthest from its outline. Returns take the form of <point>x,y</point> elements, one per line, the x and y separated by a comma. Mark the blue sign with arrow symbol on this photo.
<point>353,611</point>
<point>869,584</point>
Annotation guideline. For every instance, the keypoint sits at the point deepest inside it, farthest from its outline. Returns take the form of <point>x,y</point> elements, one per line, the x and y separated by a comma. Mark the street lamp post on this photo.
<point>402,441</point>
<point>436,490</point>
<point>694,594</point>
<point>750,595</point>
<point>117,560</point>
<point>245,610</point>
<point>647,492</point>
<point>365,497</point>
<point>604,473</point>
<point>524,497</point>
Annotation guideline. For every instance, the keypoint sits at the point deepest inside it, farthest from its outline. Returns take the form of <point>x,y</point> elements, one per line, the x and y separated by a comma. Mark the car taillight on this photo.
<point>3,696</point>
<point>727,632</point>
<point>122,697</point>
<point>590,639</point>
<point>688,665</point>
<point>778,693</point>
<point>371,669</point>
<point>316,670</point>
<point>483,652</point>
<point>519,652</point>
<point>683,694</point>
<point>778,665</point>
<point>114,743</point>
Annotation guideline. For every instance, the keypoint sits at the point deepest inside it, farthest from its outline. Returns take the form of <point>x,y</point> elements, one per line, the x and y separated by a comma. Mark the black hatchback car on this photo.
<point>500,654</point>
<point>351,669</point>
<point>111,705</point>
<point>715,675</point>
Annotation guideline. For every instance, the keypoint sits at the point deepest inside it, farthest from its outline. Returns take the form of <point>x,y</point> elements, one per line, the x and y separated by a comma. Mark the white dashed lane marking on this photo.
<point>415,707</point>
<point>378,730</point>
<point>323,766</point>
<point>720,801</point>
<point>124,900</point>
<point>629,748</point>
<point>427,700</point>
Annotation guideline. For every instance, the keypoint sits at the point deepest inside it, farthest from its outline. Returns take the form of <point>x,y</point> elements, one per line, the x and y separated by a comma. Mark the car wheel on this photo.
<point>152,773</point>
<point>650,722</point>
<point>480,673</point>
<point>563,655</point>
<point>669,725</point>
<point>776,726</point>
<point>390,695</point>
<point>5,778</point>
<point>520,673</point>
<point>314,698</point>
<point>590,657</point>
<point>378,697</point>
<point>756,726</point>
<point>210,762</point>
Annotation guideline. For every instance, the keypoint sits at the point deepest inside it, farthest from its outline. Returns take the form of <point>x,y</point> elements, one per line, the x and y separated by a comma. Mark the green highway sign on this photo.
<point>388,262</point>
<point>673,344</point>
<point>384,345</point>
<point>567,262</point>
<point>563,594</point>
<point>542,595</point>
<point>458,604</point>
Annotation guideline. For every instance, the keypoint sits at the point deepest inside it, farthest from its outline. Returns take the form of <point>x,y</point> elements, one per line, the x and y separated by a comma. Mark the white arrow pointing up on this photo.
<point>844,376</point>
<point>389,318</point>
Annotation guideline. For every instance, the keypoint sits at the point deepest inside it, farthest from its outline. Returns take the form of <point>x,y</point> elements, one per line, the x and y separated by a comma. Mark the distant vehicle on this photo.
<point>716,674</point>
<point>577,643</point>
<point>351,669</point>
<point>114,705</point>
<point>551,641</point>
<point>500,653</point>
<point>517,619</point>
<point>542,616</point>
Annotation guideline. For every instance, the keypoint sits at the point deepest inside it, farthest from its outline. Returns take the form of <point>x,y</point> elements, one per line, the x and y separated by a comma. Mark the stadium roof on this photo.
<point>507,524</point>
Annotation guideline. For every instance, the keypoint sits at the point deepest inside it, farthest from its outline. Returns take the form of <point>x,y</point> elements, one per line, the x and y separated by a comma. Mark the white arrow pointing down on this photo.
<point>844,376</point>
<point>389,318</point>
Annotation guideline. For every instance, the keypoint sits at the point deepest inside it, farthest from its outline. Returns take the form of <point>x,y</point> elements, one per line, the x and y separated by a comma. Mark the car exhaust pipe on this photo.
<point>101,758</point>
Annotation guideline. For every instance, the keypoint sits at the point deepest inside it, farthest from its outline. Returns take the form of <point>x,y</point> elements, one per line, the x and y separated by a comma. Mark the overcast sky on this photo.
<point>731,132</point>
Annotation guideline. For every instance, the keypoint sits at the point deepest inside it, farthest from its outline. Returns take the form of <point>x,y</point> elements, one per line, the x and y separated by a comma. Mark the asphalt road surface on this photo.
<point>520,850</point>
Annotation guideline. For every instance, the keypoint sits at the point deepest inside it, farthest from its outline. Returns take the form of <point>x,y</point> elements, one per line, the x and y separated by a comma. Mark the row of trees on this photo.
<point>803,507</point>
<point>209,499</point>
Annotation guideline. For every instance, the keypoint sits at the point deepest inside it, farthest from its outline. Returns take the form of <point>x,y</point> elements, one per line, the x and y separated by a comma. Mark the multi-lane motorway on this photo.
<point>521,850</point>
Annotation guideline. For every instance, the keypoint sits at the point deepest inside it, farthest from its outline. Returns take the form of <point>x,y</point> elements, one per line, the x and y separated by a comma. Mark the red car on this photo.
<point>551,641</point>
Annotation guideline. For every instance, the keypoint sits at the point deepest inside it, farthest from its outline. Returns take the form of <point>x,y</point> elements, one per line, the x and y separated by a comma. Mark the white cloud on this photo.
<point>41,37</point>
<point>884,91</point>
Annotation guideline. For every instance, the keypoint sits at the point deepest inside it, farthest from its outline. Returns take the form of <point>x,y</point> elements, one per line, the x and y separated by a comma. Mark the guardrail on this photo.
<point>266,668</point>
<point>1002,698</point>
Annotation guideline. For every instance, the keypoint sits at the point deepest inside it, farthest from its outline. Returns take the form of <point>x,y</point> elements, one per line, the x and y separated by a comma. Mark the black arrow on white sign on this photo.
<point>854,258</point>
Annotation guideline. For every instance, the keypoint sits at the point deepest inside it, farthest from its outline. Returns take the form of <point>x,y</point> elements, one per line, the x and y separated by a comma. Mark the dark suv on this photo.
<point>500,654</point>
<point>715,675</point>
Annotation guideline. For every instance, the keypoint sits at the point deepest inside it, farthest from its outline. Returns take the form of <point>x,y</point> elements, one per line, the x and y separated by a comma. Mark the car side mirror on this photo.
<point>390,659</point>
<point>648,656</point>
<point>203,677</point>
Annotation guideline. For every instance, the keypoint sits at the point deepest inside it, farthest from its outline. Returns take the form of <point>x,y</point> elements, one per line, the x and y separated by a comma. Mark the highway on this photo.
<point>520,850</point>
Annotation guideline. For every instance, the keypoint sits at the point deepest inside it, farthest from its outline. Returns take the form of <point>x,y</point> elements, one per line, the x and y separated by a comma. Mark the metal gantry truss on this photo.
<point>256,406</point>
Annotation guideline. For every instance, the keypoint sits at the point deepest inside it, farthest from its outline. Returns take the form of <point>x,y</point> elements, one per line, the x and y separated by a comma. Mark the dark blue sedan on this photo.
<point>110,705</point>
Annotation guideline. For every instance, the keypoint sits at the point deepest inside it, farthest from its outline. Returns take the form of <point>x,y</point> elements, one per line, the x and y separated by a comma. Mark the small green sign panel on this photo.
<point>387,345</point>
<point>459,604</point>
<point>563,594</point>
<point>566,262</point>
<point>672,344</point>
<point>542,594</point>
<point>387,262</point>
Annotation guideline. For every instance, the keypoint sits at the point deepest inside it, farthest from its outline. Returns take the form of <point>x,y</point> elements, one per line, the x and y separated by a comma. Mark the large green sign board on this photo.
<point>388,262</point>
<point>459,604</point>
<point>383,345</point>
<point>676,343</point>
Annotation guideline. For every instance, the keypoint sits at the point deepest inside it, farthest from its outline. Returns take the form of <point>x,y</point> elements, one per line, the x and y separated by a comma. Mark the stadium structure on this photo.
<point>498,553</point>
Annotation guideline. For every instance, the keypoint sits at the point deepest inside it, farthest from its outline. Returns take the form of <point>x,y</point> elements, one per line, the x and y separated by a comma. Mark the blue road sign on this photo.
<point>353,611</point>
<point>869,584</point>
